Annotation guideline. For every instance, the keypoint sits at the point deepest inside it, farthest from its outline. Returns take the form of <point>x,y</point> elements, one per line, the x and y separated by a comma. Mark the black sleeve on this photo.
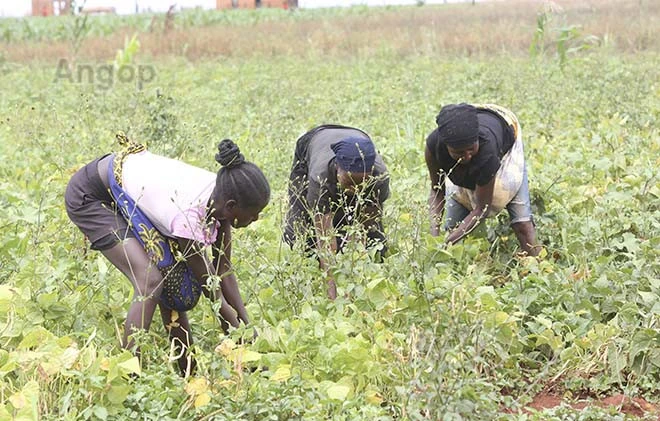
<point>432,143</point>
<point>324,204</point>
<point>439,152</point>
<point>321,196</point>
<point>382,188</point>
<point>317,198</point>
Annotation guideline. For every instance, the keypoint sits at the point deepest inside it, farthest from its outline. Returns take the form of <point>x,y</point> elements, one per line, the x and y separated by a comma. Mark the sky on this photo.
<point>20,8</point>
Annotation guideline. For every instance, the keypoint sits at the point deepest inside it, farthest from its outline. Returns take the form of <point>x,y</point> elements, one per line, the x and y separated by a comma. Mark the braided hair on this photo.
<point>238,179</point>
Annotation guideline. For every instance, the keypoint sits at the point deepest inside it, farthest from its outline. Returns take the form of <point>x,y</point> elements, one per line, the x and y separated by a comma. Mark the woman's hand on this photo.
<point>326,249</point>
<point>484,196</point>
<point>332,287</point>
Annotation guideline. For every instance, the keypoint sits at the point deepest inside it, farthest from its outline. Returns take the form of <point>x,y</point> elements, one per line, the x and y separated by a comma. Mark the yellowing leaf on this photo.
<point>6,298</point>
<point>226,383</point>
<point>69,357</point>
<point>202,400</point>
<point>175,316</point>
<point>26,402</point>
<point>244,355</point>
<point>38,336</point>
<point>249,356</point>
<point>528,261</point>
<point>51,366</point>
<point>546,267</point>
<point>283,373</point>
<point>105,364</point>
<point>338,392</point>
<point>173,323</point>
<point>197,386</point>
<point>500,317</point>
<point>131,366</point>
<point>18,400</point>
<point>225,347</point>
<point>373,397</point>
<point>6,293</point>
<point>548,337</point>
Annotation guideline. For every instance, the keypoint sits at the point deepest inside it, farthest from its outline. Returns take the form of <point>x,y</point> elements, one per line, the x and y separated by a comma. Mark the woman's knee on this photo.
<point>454,214</point>
<point>146,279</point>
<point>150,284</point>
<point>523,226</point>
<point>131,259</point>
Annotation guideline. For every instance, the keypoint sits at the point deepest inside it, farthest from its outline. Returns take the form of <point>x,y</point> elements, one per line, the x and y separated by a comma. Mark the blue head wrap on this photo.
<point>355,154</point>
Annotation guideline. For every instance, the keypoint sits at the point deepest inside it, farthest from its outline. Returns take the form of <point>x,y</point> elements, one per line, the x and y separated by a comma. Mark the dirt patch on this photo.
<point>637,407</point>
<point>544,401</point>
<point>631,406</point>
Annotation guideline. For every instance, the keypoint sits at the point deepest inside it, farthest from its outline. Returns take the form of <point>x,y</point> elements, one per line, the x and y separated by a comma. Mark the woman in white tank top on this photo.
<point>154,218</point>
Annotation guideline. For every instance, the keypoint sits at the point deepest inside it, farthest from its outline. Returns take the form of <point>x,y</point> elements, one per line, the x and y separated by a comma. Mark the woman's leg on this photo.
<point>454,213</point>
<point>131,259</point>
<point>178,329</point>
<point>526,235</point>
<point>522,221</point>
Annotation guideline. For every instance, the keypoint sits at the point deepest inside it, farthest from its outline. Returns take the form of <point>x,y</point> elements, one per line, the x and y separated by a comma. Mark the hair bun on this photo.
<point>229,154</point>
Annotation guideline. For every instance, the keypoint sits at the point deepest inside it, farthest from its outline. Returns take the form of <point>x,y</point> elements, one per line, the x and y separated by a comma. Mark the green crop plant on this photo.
<point>471,331</point>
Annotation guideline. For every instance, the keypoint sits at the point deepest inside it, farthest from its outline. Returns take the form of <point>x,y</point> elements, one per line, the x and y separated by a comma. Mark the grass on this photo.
<point>471,331</point>
<point>488,28</point>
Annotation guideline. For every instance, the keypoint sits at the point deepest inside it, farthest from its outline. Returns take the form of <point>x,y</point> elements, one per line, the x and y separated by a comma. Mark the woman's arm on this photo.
<point>371,217</point>
<point>222,262</point>
<point>203,270</point>
<point>437,193</point>
<point>326,248</point>
<point>484,196</point>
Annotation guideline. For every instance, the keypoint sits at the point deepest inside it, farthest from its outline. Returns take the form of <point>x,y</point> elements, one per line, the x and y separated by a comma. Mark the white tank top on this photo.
<point>172,194</point>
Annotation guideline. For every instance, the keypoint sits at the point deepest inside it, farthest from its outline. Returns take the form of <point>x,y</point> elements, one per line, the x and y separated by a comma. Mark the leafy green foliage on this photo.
<point>75,27</point>
<point>125,56</point>
<point>430,333</point>
<point>568,40</point>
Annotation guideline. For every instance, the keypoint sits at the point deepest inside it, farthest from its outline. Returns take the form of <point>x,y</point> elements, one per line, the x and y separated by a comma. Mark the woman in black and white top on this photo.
<point>477,168</point>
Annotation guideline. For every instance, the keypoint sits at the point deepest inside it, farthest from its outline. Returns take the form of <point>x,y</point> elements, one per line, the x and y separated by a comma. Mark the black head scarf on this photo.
<point>458,125</point>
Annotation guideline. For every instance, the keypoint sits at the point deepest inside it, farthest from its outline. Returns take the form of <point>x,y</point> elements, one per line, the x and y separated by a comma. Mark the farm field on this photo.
<point>468,332</point>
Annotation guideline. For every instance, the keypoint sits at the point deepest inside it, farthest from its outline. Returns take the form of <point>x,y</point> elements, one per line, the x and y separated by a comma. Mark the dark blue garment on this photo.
<point>355,154</point>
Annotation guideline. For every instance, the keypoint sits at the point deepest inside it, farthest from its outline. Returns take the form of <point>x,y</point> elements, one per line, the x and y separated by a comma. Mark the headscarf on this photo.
<point>458,125</point>
<point>355,154</point>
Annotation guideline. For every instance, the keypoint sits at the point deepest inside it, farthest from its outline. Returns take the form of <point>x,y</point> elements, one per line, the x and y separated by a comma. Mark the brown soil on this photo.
<point>630,406</point>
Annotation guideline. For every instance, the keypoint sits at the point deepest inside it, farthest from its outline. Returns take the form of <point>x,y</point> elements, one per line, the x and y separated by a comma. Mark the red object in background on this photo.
<point>50,7</point>
<point>252,4</point>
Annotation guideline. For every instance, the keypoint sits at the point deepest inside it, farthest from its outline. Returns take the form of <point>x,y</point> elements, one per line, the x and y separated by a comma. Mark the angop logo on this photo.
<point>104,76</point>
